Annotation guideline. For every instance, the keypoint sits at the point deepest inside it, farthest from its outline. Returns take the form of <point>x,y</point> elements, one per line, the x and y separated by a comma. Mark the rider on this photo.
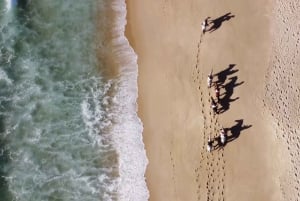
<point>214,106</point>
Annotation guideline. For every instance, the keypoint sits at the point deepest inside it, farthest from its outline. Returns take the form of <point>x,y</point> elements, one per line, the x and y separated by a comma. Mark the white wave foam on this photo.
<point>3,76</point>
<point>8,4</point>
<point>128,132</point>
<point>100,110</point>
<point>94,109</point>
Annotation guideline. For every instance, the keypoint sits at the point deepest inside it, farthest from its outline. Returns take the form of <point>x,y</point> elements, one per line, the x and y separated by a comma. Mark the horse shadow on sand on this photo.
<point>228,87</point>
<point>216,23</point>
<point>222,75</point>
<point>236,130</point>
<point>226,99</point>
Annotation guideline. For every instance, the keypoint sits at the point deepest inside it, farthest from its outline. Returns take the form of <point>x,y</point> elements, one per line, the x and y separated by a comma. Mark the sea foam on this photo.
<point>121,125</point>
<point>128,130</point>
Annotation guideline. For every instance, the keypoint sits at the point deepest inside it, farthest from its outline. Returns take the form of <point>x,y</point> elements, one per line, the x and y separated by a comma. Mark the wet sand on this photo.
<point>174,59</point>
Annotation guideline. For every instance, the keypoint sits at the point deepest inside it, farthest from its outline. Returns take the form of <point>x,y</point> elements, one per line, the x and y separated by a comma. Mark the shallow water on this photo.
<point>59,115</point>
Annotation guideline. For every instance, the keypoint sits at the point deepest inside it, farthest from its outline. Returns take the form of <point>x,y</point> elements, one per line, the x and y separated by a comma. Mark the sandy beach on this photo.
<point>246,54</point>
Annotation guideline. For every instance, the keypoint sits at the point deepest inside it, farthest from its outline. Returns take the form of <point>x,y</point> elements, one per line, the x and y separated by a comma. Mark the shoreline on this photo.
<point>174,106</point>
<point>120,70</point>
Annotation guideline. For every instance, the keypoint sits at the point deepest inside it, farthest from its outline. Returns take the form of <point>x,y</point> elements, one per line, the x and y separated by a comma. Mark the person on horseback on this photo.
<point>214,106</point>
<point>217,92</point>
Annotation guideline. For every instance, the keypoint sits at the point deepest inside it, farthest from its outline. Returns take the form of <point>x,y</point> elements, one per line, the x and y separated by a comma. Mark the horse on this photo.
<point>204,24</point>
<point>217,92</point>
<point>209,145</point>
<point>210,79</point>
<point>223,136</point>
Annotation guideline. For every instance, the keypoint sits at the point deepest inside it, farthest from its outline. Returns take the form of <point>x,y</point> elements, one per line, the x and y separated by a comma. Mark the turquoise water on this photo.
<point>65,128</point>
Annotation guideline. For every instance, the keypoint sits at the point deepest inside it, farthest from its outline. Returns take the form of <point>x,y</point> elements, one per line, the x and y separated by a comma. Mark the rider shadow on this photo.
<point>222,75</point>
<point>216,23</point>
<point>236,130</point>
<point>226,99</point>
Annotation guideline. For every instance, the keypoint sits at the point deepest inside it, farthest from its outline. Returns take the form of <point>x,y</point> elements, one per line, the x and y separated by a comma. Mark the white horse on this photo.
<point>210,79</point>
<point>223,136</point>
<point>209,145</point>
<point>204,25</point>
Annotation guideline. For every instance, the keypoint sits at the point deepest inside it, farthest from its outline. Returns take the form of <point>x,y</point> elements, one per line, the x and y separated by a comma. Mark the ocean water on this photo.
<point>68,129</point>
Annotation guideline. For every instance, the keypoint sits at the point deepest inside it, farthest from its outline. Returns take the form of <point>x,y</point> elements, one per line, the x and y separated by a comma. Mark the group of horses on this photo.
<point>222,135</point>
<point>209,25</point>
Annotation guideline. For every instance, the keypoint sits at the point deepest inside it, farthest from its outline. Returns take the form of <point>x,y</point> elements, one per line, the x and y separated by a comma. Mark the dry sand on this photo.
<point>174,58</point>
<point>282,93</point>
